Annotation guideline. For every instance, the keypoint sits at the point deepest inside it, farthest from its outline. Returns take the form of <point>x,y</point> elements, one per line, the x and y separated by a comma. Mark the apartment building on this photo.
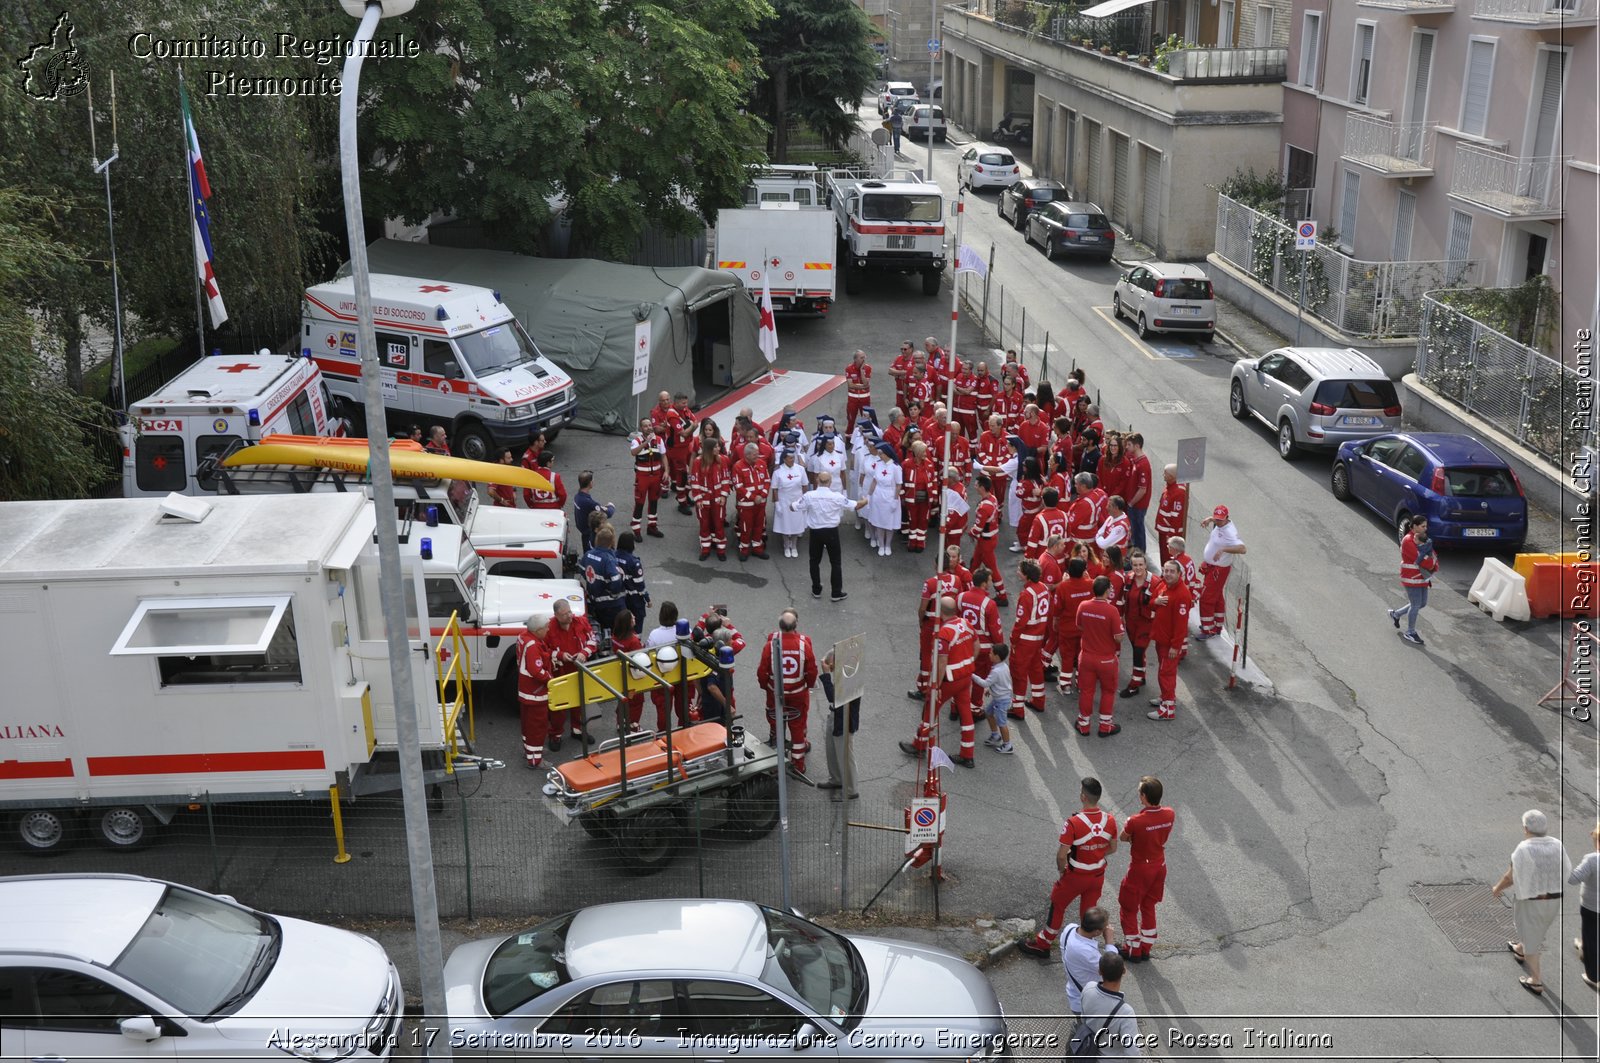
<point>1454,131</point>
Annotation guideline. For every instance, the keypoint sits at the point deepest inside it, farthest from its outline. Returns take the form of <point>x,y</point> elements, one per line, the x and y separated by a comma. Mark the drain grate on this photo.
<point>1471,918</point>
<point>1165,406</point>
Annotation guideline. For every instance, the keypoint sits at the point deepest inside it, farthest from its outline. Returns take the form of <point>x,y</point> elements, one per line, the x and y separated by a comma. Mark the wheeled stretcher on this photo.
<point>642,761</point>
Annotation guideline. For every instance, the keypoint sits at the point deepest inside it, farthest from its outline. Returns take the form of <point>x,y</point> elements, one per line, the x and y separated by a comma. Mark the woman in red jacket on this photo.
<point>1139,614</point>
<point>1418,563</point>
<point>1173,599</point>
<point>1112,471</point>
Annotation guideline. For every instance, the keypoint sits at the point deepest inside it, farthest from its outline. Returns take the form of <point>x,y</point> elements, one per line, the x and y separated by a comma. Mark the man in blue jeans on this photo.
<point>1418,563</point>
<point>897,124</point>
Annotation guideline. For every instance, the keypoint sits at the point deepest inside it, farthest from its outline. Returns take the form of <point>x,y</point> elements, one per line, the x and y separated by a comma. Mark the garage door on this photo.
<point>1119,180</point>
<point>1091,181</point>
<point>1149,229</point>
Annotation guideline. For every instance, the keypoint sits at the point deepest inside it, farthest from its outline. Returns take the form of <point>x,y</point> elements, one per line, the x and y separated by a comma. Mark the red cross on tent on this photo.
<point>238,367</point>
<point>434,288</point>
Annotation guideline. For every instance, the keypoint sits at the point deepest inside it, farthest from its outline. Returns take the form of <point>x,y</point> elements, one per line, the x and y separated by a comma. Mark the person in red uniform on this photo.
<point>1100,648</point>
<point>1082,519</point>
<point>900,370</point>
<point>938,362</point>
<point>1216,565</point>
<point>1170,631</point>
<point>1144,884</point>
<point>504,495</point>
<point>1074,589</point>
<point>954,652</point>
<point>1139,614</point>
<point>625,641</point>
<point>710,481</point>
<point>1178,547</point>
<point>1087,839</point>
<point>921,480</point>
<point>752,486</point>
<point>951,579</point>
<point>1051,520</point>
<point>1112,473</point>
<point>1035,432</point>
<point>1028,632</point>
<point>1030,492</point>
<point>798,669</point>
<point>953,504</point>
<point>982,615</point>
<point>986,533</point>
<point>1010,404</point>
<point>570,639</point>
<point>438,442</point>
<point>1136,485</point>
<point>1116,530</point>
<point>1014,366</point>
<point>552,497</point>
<point>966,400</point>
<point>680,443</point>
<point>857,389</point>
<point>1172,512</point>
<point>649,453</point>
<point>533,689</point>
<point>985,386</point>
<point>530,460</point>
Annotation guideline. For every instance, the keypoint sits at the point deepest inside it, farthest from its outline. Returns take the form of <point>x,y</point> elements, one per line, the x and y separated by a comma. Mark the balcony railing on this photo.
<point>1222,64</point>
<point>1398,150</point>
<point>1511,186</point>
<point>1538,12</point>
<point>1415,7</point>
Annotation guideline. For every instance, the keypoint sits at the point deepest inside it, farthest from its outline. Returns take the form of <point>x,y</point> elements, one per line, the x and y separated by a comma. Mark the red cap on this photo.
<point>1220,513</point>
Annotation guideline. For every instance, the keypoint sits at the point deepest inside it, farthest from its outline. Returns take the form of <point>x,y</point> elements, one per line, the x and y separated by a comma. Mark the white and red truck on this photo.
<point>782,238</point>
<point>893,224</point>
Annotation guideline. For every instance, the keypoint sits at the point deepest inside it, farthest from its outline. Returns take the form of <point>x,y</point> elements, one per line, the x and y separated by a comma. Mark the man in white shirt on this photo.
<point>1216,564</point>
<point>1108,1015</point>
<point>822,507</point>
<point>1082,945</point>
<point>1537,878</point>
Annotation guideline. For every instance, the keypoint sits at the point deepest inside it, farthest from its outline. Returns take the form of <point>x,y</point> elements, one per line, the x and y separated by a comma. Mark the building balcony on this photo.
<point>1392,149</point>
<point>1539,14</point>
<point>1509,186</point>
<point>1412,7</point>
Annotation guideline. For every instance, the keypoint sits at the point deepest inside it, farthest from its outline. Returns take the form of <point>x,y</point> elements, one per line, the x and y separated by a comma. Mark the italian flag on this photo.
<point>200,189</point>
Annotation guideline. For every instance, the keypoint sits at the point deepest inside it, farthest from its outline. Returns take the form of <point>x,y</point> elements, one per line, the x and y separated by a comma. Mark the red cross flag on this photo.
<point>767,338</point>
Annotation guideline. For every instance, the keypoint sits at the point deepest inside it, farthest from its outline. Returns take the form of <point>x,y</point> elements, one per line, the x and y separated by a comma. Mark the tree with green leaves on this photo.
<point>819,62</point>
<point>625,113</point>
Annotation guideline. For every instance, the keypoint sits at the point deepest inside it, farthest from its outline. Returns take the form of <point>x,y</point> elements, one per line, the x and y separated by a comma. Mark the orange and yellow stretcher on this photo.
<point>647,761</point>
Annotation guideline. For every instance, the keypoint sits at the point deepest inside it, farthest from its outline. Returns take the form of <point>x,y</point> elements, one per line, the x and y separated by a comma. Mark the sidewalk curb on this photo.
<point>999,952</point>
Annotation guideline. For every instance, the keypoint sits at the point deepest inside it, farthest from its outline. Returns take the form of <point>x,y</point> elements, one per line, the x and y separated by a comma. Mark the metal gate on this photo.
<point>1119,179</point>
<point>1149,231</point>
<point>1091,180</point>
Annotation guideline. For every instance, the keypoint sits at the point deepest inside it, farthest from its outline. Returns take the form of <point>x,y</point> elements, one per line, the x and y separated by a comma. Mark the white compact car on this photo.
<point>112,966</point>
<point>892,91</point>
<point>987,168</point>
<point>1166,297</point>
<point>926,121</point>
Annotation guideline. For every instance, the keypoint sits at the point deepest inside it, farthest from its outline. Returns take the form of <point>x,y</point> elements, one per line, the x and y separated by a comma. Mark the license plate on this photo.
<point>1190,310</point>
<point>1090,239</point>
<point>1360,420</point>
<point>1480,533</point>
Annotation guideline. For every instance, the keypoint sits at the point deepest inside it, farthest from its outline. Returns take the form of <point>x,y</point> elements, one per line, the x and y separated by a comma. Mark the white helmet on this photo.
<point>667,658</point>
<point>641,664</point>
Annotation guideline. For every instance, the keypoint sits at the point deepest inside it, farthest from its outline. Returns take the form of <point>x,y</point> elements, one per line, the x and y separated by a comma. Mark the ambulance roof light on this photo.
<point>439,314</point>
<point>255,418</point>
<point>216,352</point>
<point>497,297</point>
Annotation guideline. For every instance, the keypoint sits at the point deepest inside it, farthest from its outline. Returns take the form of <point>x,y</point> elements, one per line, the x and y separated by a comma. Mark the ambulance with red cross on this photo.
<point>449,354</point>
<point>214,405</point>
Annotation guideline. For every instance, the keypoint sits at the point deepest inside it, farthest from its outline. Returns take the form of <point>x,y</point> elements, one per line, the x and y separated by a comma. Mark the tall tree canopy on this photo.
<point>819,62</point>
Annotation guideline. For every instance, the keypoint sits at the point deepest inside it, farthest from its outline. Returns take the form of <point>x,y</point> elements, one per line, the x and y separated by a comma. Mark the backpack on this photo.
<point>1086,1042</point>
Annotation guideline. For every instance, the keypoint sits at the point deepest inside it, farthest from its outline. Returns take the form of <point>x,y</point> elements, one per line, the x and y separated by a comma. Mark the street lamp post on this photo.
<point>419,851</point>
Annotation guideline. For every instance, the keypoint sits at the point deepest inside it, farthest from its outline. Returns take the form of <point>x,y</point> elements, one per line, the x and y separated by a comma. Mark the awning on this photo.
<point>1111,7</point>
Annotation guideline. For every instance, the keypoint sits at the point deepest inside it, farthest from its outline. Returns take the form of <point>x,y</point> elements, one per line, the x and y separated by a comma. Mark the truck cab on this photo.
<point>449,354</point>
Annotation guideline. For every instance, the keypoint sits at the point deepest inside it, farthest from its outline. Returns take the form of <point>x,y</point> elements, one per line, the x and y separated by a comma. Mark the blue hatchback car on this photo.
<point>1467,491</point>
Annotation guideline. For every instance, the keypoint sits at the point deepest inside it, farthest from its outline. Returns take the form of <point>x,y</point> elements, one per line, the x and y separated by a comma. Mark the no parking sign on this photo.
<point>924,829</point>
<point>1305,236</point>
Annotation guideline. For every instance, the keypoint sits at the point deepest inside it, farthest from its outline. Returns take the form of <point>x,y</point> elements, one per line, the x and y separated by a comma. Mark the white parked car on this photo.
<point>893,90</point>
<point>987,168</point>
<point>1166,297</point>
<point>925,121</point>
<point>111,966</point>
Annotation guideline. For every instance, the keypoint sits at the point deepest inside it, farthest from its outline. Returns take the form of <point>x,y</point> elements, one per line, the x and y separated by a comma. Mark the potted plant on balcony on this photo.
<point>1164,50</point>
<point>1123,55</point>
<point>1143,60</point>
<point>1105,49</point>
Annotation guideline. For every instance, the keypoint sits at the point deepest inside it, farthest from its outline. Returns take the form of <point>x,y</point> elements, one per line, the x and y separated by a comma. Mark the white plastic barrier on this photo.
<point>1500,592</point>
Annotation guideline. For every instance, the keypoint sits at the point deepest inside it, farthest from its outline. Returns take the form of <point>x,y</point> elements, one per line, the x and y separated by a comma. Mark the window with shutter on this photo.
<point>1152,195</point>
<point>1091,180</point>
<point>1119,180</point>
<point>1475,96</point>
<point>1548,94</point>
<point>1225,24</point>
<point>1264,16</point>
<point>1347,212</point>
<point>1405,216</point>
<point>1460,244</point>
<point>1361,63</point>
<point>1310,47</point>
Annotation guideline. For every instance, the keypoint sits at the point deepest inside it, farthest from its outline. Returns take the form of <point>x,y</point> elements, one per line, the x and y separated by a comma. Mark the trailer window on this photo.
<point>158,463</point>
<point>215,640</point>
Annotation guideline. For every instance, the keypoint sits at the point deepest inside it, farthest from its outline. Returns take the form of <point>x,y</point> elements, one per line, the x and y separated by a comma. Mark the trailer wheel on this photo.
<point>124,827</point>
<point>648,841</point>
<point>44,830</point>
<point>753,807</point>
<point>601,824</point>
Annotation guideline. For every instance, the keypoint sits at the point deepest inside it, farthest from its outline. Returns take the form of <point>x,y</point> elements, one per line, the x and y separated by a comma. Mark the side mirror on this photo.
<point>805,1035</point>
<point>452,371</point>
<point>139,1028</point>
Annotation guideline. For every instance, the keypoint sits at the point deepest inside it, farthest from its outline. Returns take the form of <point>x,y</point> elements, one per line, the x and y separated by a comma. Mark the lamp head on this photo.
<point>391,8</point>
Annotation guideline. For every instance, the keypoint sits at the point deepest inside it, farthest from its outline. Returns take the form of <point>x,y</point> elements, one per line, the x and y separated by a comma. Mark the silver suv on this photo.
<point>1315,396</point>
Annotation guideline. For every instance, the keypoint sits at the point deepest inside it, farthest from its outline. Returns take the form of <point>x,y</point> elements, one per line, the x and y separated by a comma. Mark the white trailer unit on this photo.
<point>785,245</point>
<point>166,651</point>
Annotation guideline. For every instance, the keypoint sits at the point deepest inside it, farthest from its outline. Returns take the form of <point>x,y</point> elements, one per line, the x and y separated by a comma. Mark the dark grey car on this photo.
<point>1026,196</point>
<point>1069,228</point>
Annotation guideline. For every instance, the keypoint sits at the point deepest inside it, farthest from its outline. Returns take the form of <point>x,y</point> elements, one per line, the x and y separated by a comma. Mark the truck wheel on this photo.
<point>648,842</point>
<point>124,827</point>
<point>601,824</point>
<point>505,683</point>
<point>930,282</point>
<point>852,279</point>
<point>753,806</point>
<point>356,414</point>
<point>474,443</point>
<point>44,830</point>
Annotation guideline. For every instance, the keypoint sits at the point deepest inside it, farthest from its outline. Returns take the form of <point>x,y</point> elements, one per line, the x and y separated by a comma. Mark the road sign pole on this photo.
<point>1305,242</point>
<point>1300,302</point>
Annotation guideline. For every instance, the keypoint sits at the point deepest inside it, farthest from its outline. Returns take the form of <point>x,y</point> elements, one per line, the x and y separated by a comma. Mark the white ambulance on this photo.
<point>451,354</point>
<point>215,403</point>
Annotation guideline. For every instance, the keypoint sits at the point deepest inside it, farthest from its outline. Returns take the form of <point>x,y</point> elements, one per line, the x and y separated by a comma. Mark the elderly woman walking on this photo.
<point>1537,876</point>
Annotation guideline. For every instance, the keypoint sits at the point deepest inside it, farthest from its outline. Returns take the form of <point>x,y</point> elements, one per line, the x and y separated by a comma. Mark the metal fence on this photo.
<point>1529,396</point>
<point>1359,298</point>
<point>1126,31</point>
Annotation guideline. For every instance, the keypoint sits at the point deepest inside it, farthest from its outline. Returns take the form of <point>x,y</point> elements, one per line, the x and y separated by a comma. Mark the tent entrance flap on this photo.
<point>710,332</point>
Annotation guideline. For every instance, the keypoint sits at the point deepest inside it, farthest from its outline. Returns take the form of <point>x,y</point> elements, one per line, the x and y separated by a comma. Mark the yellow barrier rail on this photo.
<point>452,663</point>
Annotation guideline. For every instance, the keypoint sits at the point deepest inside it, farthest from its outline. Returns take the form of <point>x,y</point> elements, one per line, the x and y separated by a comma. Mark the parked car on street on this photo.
<point>982,167</point>
<point>1022,198</point>
<point>893,90</point>
<point>905,105</point>
<point>110,966</point>
<point>658,978</point>
<point>925,120</point>
<point>1315,396</point>
<point>1066,227</point>
<point>1166,297</point>
<point>1468,492</point>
